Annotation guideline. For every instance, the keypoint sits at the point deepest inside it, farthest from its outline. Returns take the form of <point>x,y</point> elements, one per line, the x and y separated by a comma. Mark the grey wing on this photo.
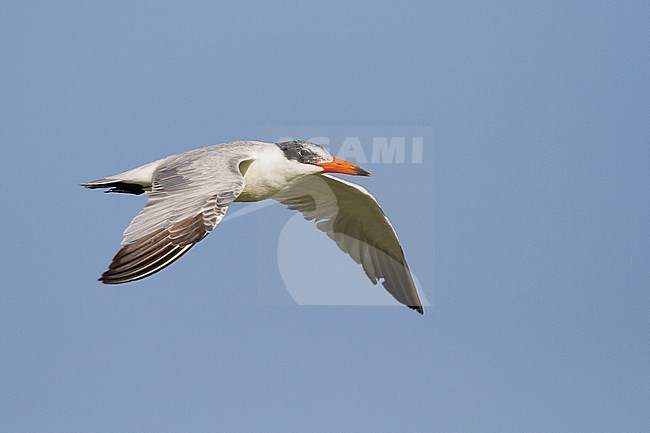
<point>351,217</point>
<point>189,196</point>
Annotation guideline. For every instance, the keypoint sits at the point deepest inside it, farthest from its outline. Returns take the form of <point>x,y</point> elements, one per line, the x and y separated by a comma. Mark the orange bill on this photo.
<point>342,166</point>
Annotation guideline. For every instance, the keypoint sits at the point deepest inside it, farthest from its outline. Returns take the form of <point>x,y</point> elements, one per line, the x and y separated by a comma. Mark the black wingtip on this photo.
<point>103,279</point>
<point>106,279</point>
<point>418,308</point>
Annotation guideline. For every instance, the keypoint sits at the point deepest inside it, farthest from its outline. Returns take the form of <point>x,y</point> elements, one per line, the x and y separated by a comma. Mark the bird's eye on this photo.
<point>304,152</point>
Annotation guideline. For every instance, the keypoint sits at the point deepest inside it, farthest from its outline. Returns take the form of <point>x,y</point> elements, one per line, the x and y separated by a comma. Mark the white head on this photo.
<point>306,152</point>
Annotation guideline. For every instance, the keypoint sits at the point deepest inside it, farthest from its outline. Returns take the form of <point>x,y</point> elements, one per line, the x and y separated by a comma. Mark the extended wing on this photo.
<point>190,194</point>
<point>351,217</point>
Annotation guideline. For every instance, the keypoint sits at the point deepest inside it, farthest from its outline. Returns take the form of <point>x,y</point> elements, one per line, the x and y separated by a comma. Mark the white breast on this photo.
<point>271,172</point>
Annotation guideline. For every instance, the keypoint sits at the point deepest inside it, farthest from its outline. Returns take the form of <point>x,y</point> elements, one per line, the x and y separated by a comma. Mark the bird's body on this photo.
<point>190,192</point>
<point>270,172</point>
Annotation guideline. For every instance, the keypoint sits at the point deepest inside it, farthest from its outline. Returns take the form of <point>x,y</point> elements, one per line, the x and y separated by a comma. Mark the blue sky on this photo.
<point>527,222</point>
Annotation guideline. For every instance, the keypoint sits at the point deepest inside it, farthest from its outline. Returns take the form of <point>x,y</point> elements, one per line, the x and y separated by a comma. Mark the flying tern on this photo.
<point>189,193</point>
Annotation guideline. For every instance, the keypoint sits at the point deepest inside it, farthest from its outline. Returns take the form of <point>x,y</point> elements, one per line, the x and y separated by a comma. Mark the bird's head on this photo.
<point>306,152</point>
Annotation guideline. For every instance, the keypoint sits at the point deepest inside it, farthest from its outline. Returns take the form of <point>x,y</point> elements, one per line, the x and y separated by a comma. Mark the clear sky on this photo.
<point>527,221</point>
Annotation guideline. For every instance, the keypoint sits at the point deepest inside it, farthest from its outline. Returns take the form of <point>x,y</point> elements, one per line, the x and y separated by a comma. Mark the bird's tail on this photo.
<point>136,181</point>
<point>115,185</point>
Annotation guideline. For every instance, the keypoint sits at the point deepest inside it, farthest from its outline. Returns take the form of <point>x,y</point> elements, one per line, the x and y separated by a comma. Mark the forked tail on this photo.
<point>115,186</point>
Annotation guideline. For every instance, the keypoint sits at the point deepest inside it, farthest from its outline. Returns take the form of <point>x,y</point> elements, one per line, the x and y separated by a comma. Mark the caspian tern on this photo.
<point>189,193</point>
